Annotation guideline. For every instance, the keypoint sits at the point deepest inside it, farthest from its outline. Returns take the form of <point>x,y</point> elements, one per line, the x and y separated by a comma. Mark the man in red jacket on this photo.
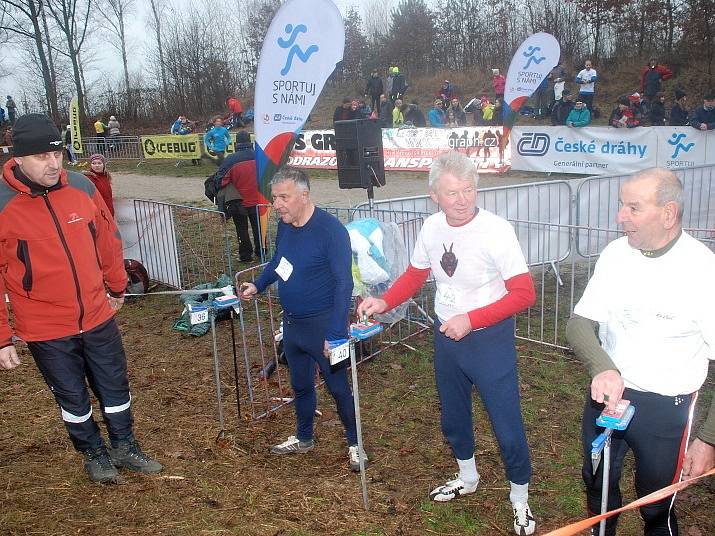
<point>62,268</point>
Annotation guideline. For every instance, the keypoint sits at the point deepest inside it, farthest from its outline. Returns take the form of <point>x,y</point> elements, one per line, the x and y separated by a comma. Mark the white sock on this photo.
<point>468,471</point>
<point>519,493</point>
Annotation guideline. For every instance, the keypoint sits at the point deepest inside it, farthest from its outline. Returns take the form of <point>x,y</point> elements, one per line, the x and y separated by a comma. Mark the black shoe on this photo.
<point>98,465</point>
<point>129,455</point>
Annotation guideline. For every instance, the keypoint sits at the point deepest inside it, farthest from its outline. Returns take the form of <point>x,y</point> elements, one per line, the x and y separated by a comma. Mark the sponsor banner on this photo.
<point>531,63</point>
<point>171,146</point>
<point>74,127</point>
<point>588,150</point>
<point>607,150</point>
<point>410,149</point>
<point>684,147</point>
<point>303,44</point>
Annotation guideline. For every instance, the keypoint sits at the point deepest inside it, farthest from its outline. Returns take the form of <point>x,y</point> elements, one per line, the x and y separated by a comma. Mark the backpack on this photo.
<point>212,186</point>
<point>138,278</point>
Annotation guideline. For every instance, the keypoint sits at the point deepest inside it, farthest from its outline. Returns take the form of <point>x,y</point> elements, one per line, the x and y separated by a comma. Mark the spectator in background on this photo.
<point>622,116</point>
<point>579,116</point>
<point>679,112</point>
<point>460,116</point>
<point>101,179</point>
<point>398,117</point>
<point>67,141</point>
<point>446,93</point>
<point>363,110</point>
<point>235,108</point>
<point>414,115</point>
<point>640,107</point>
<point>180,126</point>
<point>100,130</point>
<point>703,117</point>
<point>652,78</point>
<point>586,80</point>
<point>561,109</point>
<point>498,83</point>
<point>7,138</point>
<point>399,85</point>
<point>345,111</point>
<point>436,115</point>
<point>241,196</point>
<point>487,111</point>
<point>385,114</point>
<point>541,99</point>
<point>11,110</point>
<point>113,126</point>
<point>557,81</point>
<point>374,88</point>
<point>389,82</point>
<point>657,110</point>
<point>217,139</point>
<point>2,116</point>
<point>498,113</point>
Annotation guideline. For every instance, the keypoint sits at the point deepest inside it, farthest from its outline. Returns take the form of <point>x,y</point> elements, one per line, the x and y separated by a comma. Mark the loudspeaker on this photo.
<point>358,146</point>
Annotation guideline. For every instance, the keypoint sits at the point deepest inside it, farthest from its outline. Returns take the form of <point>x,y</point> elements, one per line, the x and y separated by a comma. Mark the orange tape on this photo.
<point>574,528</point>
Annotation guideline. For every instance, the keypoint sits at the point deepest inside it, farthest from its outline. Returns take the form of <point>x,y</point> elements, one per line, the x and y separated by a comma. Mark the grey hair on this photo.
<point>668,189</point>
<point>296,175</point>
<point>454,163</point>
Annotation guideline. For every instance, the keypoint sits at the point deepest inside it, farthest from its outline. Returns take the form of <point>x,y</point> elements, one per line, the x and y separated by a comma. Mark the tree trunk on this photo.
<point>50,93</point>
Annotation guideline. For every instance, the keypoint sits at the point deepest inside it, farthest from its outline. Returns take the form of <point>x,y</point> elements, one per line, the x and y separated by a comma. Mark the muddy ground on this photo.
<point>232,485</point>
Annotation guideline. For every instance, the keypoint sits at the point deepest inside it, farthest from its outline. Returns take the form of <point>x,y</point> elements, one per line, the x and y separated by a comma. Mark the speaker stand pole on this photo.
<point>370,198</point>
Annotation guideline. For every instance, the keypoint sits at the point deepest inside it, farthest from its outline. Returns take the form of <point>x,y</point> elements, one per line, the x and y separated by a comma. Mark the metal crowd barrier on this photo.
<point>597,204</point>
<point>113,148</point>
<point>182,246</point>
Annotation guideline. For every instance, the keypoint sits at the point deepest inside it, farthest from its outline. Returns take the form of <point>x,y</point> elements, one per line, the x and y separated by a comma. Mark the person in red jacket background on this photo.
<point>652,77</point>
<point>101,179</point>
<point>61,265</point>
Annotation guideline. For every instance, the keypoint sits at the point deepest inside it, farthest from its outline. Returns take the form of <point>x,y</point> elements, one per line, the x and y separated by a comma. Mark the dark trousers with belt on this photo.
<point>95,357</point>
<point>657,436</point>
<point>303,342</point>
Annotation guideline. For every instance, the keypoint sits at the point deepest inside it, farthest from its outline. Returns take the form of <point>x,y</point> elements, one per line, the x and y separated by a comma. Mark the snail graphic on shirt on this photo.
<point>449,260</point>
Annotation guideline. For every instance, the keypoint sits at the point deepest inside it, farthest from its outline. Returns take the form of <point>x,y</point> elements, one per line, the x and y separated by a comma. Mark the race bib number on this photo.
<point>339,353</point>
<point>284,269</point>
<point>199,316</point>
<point>447,296</point>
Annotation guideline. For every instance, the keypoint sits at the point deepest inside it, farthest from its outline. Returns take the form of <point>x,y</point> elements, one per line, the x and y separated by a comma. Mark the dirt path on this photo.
<point>324,191</point>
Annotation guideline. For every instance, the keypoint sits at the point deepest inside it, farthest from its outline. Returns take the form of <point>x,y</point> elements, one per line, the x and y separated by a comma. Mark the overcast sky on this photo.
<point>110,59</point>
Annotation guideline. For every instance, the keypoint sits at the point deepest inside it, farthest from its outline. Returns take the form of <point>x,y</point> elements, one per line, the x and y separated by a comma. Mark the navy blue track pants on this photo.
<point>657,436</point>
<point>95,357</point>
<point>485,359</point>
<point>303,342</point>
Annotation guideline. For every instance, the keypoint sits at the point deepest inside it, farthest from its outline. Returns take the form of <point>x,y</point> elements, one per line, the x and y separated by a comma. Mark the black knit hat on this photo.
<point>35,134</point>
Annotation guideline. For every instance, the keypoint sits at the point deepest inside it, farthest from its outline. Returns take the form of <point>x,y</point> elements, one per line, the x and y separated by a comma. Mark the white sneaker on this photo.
<point>453,488</point>
<point>524,522</point>
<point>293,445</point>
<point>354,458</point>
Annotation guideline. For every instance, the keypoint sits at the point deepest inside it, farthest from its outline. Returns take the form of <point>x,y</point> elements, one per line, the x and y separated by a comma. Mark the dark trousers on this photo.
<point>375,103</point>
<point>241,216</point>
<point>657,436</point>
<point>95,357</point>
<point>485,359</point>
<point>303,341</point>
<point>587,98</point>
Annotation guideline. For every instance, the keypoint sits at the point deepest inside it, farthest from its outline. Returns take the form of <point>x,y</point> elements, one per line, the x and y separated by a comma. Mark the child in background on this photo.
<point>101,179</point>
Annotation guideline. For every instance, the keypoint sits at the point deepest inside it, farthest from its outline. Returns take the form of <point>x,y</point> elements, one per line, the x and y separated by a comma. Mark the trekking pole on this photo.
<point>358,423</point>
<point>235,365</point>
<point>617,419</point>
<point>217,374</point>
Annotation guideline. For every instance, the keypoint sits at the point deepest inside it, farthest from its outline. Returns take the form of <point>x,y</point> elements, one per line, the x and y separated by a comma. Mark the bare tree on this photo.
<point>22,18</point>
<point>73,21</point>
<point>114,13</point>
<point>157,8</point>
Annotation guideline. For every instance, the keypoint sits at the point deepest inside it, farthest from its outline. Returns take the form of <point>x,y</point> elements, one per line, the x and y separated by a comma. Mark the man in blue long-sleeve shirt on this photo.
<point>312,265</point>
